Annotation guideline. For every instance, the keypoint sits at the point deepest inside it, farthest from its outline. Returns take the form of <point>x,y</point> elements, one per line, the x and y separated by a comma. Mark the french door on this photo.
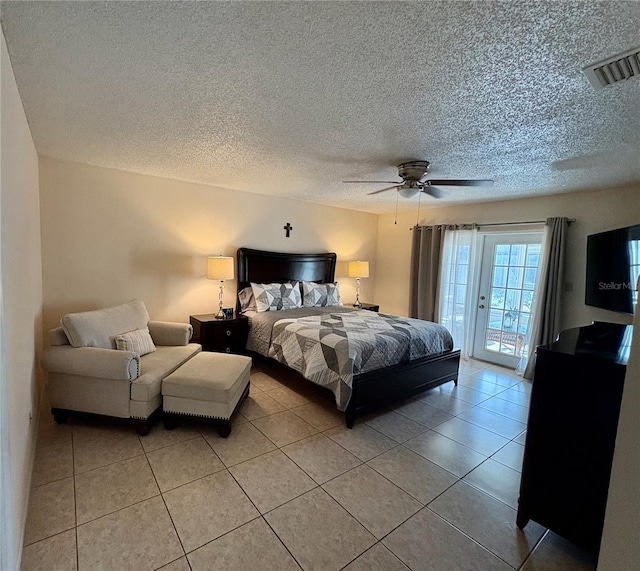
<point>508,275</point>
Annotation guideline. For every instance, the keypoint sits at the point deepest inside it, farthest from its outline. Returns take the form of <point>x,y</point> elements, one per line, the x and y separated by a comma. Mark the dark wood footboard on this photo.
<point>377,389</point>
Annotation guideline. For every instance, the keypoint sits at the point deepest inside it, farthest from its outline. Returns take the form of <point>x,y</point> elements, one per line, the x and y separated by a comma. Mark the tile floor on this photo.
<point>431,483</point>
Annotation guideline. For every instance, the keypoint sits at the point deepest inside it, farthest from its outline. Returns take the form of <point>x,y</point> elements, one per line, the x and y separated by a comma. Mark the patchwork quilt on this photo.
<point>329,349</point>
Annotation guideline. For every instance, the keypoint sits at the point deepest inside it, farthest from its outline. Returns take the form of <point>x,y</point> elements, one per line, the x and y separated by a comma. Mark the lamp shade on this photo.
<point>220,268</point>
<point>358,269</point>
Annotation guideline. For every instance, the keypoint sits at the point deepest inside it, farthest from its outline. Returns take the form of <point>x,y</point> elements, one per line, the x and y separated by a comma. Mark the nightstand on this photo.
<point>220,335</point>
<point>370,306</point>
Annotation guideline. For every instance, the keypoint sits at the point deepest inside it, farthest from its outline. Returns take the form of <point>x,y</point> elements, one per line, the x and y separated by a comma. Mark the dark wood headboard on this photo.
<point>258,266</point>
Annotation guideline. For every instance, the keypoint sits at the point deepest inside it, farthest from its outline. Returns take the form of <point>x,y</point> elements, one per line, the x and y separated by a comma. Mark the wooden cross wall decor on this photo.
<point>288,228</point>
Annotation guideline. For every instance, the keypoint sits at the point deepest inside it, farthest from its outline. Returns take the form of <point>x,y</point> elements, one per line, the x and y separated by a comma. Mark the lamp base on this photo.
<point>220,314</point>
<point>357,303</point>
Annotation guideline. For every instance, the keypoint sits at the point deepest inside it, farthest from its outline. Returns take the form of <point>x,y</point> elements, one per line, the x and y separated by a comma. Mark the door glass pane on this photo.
<point>512,302</point>
<point>527,301</point>
<point>500,276</point>
<point>492,340</point>
<point>523,323</point>
<point>497,297</point>
<point>502,254</point>
<point>530,278</point>
<point>508,343</point>
<point>514,273</point>
<point>462,271</point>
<point>533,255</point>
<point>518,252</point>
<point>515,277</point>
<point>495,318</point>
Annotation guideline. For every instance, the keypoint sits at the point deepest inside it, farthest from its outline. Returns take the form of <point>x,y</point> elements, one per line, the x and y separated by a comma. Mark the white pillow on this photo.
<point>320,295</point>
<point>247,300</point>
<point>97,328</point>
<point>273,297</point>
<point>138,342</point>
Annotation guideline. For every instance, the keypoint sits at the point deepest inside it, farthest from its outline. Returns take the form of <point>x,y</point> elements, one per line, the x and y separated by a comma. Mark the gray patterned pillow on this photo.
<point>273,297</point>
<point>320,295</point>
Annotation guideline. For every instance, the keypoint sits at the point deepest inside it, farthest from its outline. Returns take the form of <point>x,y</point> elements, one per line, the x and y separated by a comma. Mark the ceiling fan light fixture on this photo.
<point>409,190</point>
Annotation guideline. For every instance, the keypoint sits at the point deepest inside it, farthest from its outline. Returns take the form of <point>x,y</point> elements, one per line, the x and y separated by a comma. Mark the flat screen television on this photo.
<point>613,267</point>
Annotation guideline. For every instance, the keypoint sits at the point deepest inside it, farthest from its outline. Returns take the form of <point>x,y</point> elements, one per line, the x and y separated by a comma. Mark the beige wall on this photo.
<point>109,236</point>
<point>21,303</point>
<point>620,548</point>
<point>594,211</point>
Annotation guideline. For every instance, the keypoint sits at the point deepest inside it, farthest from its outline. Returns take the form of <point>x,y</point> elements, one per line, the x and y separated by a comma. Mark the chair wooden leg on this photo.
<point>141,426</point>
<point>60,415</point>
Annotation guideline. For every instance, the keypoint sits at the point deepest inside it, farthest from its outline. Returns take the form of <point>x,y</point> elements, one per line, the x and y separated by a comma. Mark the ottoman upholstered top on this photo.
<point>208,376</point>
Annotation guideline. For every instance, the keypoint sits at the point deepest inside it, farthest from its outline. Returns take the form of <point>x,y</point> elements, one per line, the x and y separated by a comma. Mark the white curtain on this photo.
<point>547,302</point>
<point>459,275</point>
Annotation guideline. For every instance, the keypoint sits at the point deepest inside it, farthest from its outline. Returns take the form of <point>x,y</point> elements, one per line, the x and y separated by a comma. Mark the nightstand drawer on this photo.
<point>221,335</point>
<point>229,337</point>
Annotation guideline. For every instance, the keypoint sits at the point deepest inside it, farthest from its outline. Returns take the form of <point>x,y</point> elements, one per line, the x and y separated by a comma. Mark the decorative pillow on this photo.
<point>138,341</point>
<point>247,300</point>
<point>320,295</point>
<point>273,297</point>
<point>97,328</point>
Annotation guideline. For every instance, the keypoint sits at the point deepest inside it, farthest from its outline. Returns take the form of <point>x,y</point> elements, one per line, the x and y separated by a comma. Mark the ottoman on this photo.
<point>209,385</point>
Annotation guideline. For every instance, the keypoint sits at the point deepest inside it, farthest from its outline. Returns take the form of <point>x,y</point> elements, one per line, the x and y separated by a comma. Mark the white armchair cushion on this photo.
<point>98,328</point>
<point>170,333</point>
<point>139,342</point>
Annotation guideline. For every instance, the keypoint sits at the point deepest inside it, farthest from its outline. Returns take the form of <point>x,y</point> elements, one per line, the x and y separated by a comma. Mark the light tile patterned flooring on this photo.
<point>431,483</point>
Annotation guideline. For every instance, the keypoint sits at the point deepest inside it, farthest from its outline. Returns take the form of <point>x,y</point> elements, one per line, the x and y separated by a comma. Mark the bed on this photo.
<point>368,390</point>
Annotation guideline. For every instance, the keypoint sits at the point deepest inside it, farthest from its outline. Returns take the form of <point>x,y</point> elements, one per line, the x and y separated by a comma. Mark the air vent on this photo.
<point>614,69</point>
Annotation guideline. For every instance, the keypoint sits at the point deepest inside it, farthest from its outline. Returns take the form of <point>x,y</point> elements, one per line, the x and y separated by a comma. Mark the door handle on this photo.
<point>481,306</point>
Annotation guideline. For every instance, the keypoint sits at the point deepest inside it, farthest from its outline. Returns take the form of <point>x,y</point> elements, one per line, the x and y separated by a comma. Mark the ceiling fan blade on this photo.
<point>460,182</point>
<point>383,189</point>
<point>432,191</point>
<point>372,181</point>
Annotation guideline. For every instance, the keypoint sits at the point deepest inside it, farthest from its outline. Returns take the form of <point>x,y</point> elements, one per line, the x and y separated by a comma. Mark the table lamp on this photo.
<point>220,268</point>
<point>358,270</point>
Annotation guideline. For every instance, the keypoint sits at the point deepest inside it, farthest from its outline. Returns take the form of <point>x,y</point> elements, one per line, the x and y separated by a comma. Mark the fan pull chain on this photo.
<point>419,199</point>
<point>396,220</point>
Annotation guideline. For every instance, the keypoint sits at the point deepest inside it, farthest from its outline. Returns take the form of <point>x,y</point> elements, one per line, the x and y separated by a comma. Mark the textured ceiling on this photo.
<point>291,98</point>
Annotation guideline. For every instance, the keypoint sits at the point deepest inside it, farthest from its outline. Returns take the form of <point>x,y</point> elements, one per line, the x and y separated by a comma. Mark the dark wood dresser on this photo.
<point>571,432</point>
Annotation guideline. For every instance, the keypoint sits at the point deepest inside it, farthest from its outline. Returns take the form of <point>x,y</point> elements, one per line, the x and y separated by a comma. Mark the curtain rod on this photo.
<point>569,221</point>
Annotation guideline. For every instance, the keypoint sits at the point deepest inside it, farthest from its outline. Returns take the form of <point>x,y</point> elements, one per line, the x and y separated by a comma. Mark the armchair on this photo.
<point>93,365</point>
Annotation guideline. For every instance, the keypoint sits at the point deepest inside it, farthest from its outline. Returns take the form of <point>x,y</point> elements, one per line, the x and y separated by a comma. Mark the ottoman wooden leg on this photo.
<point>224,429</point>
<point>169,420</point>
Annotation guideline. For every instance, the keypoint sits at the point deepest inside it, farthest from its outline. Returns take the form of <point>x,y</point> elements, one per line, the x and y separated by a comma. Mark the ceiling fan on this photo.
<point>414,181</point>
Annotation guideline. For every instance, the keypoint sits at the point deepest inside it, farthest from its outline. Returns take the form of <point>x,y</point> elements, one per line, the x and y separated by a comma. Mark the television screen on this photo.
<point>613,267</point>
